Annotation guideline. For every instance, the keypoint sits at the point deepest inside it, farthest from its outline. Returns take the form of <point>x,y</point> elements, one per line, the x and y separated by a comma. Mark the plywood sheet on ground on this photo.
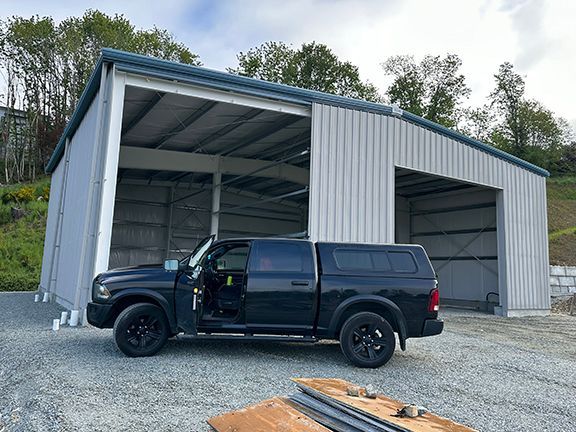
<point>272,415</point>
<point>381,407</point>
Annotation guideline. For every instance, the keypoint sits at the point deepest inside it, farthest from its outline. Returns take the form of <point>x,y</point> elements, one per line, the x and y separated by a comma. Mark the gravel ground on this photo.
<point>490,373</point>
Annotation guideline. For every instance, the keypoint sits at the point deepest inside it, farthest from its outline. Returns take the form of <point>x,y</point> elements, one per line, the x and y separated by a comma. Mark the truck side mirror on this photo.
<point>171,265</point>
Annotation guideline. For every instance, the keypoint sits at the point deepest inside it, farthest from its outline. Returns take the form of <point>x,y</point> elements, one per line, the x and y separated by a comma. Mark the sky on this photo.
<point>537,36</point>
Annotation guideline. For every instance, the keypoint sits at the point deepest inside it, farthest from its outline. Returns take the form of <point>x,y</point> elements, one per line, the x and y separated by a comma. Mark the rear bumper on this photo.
<point>99,314</point>
<point>432,327</point>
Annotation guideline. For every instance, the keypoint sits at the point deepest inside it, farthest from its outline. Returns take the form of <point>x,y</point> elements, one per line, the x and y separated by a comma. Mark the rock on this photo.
<point>353,391</point>
<point>370,392</point>
<point>17,213</point>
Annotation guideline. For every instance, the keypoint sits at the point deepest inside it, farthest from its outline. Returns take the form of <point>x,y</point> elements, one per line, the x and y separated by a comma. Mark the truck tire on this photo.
<point>141,330</point>
<point>367,340</point>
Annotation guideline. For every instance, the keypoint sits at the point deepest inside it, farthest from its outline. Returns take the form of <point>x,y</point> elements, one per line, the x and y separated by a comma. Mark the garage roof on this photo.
<point>148,66</point>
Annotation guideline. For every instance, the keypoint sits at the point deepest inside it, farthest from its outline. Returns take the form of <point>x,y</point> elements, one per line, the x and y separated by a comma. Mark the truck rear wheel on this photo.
<point>141,330</point>
<point>367,340</point>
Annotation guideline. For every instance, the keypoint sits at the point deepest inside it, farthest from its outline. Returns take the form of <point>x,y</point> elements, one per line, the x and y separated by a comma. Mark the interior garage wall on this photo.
<point>146,225</point>
<point>463,278</point>
<point>352,196</point>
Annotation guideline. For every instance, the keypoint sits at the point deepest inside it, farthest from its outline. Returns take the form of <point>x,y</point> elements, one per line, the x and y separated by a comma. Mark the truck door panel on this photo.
<point>281,286</point>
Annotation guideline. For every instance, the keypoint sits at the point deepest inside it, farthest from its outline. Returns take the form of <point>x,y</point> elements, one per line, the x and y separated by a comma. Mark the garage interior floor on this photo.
<point>487,372</point>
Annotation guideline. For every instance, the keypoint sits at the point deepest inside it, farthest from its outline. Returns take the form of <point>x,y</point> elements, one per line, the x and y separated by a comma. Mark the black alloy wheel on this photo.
<point>141,330</point>
<point>367,340</point>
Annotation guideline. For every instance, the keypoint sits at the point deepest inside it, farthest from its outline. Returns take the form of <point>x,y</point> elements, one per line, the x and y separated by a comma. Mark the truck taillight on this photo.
<point>434,301</point>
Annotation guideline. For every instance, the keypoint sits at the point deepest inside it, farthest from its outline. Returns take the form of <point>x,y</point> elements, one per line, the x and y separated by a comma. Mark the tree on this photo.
<point>46,67</point>
<point>433,89</point>
<point>526,128</point>
<point>477,123</point>
<point>313,66</point>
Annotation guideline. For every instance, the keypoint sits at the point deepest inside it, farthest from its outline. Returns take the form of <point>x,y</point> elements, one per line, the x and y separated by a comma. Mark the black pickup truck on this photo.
<point>279,289</point>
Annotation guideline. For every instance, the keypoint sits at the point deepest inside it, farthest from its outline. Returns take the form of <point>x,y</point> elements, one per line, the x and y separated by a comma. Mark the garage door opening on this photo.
<point>190,167</point>
<point>456,223</point>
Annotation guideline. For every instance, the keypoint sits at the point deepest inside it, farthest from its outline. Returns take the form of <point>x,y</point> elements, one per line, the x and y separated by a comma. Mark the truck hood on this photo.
<point>150,276</point>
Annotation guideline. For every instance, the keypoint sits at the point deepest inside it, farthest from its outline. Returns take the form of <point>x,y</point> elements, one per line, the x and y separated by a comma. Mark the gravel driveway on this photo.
<point>490,373</point>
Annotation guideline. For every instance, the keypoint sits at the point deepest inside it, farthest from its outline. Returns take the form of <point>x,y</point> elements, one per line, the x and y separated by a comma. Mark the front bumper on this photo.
<point>99,314</point>
<point>432,327</point>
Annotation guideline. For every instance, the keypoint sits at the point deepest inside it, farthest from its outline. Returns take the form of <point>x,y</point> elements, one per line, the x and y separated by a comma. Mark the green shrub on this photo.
<point>18,282</point>
<point>8,197</point>
<point>25,194</point>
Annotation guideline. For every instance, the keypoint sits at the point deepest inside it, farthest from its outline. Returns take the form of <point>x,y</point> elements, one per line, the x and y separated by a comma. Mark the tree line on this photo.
<point>45,67</point>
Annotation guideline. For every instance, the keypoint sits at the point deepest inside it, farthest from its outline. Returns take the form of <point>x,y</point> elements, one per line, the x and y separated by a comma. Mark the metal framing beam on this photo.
<point>183,125</point>
<point>167,86</point>
<point>216,192</point>
<point>265,133</point>
<point>235,124</point>
<point>143,112</point>
<point>166,160</point>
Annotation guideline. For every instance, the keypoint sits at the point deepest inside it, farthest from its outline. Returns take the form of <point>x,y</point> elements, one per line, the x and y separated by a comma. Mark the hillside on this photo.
<point>21,241</point>
<point>562,220</point>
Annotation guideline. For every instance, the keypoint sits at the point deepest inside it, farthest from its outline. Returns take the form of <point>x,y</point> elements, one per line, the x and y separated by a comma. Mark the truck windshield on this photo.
<point>193,259</point>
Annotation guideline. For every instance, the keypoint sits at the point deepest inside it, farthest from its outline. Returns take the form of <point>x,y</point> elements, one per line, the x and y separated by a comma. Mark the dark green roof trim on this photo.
<point>162,69</point>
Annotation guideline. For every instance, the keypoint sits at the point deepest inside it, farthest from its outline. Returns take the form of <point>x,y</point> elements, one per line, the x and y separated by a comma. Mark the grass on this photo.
<point>22,241</point>
<point>562,220</point>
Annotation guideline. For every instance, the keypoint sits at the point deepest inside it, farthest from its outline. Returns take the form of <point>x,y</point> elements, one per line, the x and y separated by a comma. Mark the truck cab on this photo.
<point>283,289</point>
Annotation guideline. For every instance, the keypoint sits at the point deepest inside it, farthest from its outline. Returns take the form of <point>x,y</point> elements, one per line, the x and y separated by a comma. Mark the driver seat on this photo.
<point>229,296</point>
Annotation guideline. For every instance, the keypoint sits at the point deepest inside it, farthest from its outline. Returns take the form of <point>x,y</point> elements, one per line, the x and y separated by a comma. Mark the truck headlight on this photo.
<point>99,292</point>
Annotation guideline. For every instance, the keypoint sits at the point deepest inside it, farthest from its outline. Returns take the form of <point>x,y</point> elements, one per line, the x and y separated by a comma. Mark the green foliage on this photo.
<point>525,127</point>
<point>46,67</point>
<point>314,66</point>
<point>433,89</point>
<point>22,241</point>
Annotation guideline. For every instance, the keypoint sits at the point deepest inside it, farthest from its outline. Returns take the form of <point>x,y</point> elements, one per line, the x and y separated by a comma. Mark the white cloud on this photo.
<point>537,36</point>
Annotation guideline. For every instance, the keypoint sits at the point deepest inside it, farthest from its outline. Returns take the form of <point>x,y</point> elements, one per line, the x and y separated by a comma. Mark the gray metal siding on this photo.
<point>340,210</point>
<point>68,264</point>
<point>350,171</point>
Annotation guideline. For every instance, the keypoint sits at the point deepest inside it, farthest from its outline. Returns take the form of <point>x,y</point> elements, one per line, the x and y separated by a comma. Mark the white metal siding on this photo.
<point>50,249</point>
<point>75,208</point>
<point>341,210</point>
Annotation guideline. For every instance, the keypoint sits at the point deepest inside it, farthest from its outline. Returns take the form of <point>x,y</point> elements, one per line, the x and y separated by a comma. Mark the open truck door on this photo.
<point>188,288</point>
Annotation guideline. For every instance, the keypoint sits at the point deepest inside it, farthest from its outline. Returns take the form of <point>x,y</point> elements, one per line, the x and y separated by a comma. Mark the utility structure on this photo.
<point>159,154</point>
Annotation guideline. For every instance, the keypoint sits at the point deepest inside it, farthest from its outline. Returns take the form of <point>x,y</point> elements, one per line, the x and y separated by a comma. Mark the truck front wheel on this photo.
<point>367,340</point>
<point>141,330</point>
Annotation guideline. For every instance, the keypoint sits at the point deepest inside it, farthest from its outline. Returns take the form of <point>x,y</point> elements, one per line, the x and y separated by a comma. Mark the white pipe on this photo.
<point>56,324</point>
<point>46,298</point>
<point>74,318</point>
<point>63,317</point>
<point>36,298</point>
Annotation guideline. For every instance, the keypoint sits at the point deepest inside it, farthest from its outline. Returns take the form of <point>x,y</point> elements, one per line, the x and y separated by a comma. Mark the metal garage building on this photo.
<point>159,155</point>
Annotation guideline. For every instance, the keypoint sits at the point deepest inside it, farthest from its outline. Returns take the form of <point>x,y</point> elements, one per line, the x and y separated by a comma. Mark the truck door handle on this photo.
<point>300,283</point>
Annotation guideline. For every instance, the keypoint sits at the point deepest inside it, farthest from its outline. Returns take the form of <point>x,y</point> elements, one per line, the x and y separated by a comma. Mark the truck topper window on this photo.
<point>374,260</point>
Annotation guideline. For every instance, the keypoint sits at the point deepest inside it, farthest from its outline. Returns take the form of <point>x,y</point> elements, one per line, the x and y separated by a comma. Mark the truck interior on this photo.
<point>457,225</point>
<point>224,271</point>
